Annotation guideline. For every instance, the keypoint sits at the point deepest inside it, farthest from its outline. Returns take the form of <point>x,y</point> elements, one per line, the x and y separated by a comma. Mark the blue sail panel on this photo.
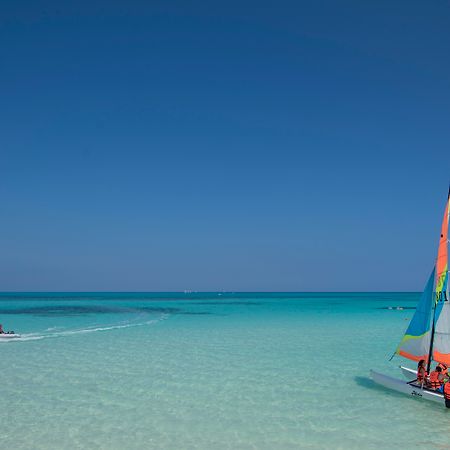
<point>416,341</point>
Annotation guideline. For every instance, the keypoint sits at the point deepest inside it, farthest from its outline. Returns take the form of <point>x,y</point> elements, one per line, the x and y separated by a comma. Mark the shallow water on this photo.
<point>207,371</point>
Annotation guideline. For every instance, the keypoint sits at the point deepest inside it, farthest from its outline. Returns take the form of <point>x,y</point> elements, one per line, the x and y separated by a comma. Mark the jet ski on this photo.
<point>9,335</point>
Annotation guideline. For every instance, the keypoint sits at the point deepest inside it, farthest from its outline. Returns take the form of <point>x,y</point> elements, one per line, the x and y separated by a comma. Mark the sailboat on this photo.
<point>428,334</point>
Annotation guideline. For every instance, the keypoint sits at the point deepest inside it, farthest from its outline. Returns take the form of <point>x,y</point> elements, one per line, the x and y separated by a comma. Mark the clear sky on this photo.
<point>279,146</point>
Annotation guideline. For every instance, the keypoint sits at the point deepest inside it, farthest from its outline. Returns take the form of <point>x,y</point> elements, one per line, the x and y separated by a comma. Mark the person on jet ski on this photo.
<point>2,331</point>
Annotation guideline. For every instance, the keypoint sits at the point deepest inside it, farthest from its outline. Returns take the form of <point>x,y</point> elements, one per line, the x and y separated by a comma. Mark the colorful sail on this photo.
<point>441,341</point>
<point>415,344</point>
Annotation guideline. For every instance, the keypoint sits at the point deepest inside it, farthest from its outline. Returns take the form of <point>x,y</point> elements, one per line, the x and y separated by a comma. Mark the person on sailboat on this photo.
<point>446,391</point>
<point>421,372</point>
<point>444,369</point>
<point>436,378</point>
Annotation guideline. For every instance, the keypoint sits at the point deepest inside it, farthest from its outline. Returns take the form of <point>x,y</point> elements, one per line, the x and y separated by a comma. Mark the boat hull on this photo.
<point>409,374</point>
<point>406,388</point>
<point>9,336</point>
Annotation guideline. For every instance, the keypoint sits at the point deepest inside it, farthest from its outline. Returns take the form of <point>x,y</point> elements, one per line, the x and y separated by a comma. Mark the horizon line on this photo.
<point>205,292</point>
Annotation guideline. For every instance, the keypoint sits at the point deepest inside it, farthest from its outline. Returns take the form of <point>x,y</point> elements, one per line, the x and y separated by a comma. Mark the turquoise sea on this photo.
<point>208,371</point>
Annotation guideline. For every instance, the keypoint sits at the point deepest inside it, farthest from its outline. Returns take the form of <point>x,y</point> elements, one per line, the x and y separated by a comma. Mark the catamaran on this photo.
<point>428,334</point>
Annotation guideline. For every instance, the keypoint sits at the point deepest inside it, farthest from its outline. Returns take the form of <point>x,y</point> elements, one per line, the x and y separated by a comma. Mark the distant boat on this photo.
<point>428,333</point>
<point>9,335</point>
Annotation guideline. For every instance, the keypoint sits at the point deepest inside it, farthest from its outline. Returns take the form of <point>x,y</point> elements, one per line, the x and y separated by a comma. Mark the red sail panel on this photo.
<point>441,341</point>
<point>442,258</point>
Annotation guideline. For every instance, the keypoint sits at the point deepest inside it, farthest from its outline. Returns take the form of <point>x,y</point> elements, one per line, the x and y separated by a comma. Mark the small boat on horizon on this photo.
<point>428,334</point>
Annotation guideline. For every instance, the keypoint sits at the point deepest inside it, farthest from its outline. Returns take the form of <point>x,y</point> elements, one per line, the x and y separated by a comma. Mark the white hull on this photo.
<point>405,388</point>
<point>9,336</point>
<point>409,374</point>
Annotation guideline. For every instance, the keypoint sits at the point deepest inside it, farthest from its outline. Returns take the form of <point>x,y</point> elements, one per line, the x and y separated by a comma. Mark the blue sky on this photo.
<point>162,146</point>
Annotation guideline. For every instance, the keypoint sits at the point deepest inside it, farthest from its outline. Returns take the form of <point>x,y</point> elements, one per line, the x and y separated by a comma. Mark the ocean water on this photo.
<point>208,371</point>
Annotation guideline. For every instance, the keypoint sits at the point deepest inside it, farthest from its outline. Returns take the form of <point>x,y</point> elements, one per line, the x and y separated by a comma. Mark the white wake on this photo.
<point>50,333</point>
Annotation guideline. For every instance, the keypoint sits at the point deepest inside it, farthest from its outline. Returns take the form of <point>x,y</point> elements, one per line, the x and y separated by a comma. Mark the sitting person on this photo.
<point>421,372</point>
<point>444,369</point>
<point>436,378</point>
<point>2,331</point>
<point>446,392</point>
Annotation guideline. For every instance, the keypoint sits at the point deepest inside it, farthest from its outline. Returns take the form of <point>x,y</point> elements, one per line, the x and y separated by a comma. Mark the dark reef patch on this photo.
<point>215,302</point>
